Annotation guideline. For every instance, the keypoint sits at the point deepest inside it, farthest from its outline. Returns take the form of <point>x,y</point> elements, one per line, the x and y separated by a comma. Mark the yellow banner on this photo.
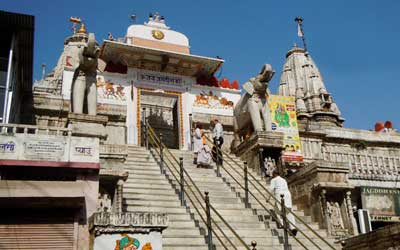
<point>284,119</point>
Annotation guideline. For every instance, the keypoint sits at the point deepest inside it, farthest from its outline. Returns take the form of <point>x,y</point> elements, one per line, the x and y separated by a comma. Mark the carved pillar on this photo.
<point>118,196</point>
<point>325,214</point>
<point>352,221</point>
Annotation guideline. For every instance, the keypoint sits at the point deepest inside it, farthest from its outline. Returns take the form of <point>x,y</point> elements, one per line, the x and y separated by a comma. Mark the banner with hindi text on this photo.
<point>284,119</point>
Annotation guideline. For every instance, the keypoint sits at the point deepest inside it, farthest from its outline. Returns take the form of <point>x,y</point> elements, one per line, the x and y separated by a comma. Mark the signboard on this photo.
<point>159,80</point>
<point>284,119</point>
<point>46,149</point>
<point>383,204</point>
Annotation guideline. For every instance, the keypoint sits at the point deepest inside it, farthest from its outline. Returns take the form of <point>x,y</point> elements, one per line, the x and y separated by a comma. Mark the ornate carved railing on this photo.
<point>366,165</point>
<point>113,151</point>
<point>103,222</point>
<point>33,129</point>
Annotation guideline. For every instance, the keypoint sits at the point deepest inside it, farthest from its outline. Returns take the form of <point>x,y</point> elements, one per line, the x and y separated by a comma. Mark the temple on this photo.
<point>99,154</point>
<point>148,73</point>
<point>301,78</point>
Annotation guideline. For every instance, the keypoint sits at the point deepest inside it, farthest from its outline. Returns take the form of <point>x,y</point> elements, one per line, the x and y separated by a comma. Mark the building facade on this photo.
<point>88,175</point>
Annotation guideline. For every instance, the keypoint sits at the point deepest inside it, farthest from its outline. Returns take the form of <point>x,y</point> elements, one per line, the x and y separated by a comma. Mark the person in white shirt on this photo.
<point>279,187</point>
<point>197,142</point>
<point>218,136</point>
<point>218,132</point>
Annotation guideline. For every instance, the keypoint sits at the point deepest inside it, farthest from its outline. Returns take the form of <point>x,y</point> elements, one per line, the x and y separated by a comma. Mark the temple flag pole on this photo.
<point>300,31</point>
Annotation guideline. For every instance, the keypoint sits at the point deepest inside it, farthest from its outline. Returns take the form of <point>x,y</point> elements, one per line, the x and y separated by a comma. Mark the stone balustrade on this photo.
<point>33,129</point>
<point>367,166</point>
<point>113,149</point>
<point>364,162</point>
<point>46,146</point>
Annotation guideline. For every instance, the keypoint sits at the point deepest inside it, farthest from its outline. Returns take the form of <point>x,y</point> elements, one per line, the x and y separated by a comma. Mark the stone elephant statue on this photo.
<point>252,113</point>
<point>82,58</point>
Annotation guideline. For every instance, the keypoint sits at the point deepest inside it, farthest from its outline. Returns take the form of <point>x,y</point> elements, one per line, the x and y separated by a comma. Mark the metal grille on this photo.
<point>36,232</point>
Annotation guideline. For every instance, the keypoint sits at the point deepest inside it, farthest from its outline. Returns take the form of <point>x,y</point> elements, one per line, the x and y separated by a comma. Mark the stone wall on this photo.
<point>23,142</point>
<point>386,238</point>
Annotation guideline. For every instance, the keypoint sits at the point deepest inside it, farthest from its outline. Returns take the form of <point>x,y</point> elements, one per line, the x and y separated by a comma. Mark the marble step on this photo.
<point>133,184</point>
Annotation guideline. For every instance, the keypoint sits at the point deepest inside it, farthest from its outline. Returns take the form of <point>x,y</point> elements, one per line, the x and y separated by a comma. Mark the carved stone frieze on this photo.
<point>134,222</point>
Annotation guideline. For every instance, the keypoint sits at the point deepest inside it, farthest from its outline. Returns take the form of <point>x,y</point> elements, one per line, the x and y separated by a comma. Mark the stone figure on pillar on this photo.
<point>84,62</point>
<point>81,55</point>
<point>252,111</point>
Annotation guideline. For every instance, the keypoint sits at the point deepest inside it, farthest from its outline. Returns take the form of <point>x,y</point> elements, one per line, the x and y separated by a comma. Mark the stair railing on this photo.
<point>272,203</point>
<point>193,194</point>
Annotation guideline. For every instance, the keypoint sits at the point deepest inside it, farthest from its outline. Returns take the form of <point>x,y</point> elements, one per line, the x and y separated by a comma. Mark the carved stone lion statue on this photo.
<point>252,112</point>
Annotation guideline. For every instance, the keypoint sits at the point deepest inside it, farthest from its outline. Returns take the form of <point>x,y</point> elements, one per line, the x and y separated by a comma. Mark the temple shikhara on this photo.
<point>98,154</point>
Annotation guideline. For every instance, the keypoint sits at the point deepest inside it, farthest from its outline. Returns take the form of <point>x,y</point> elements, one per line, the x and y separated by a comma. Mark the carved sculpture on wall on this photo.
<point>252,110</point>
<point>335,216</point>
<point>104,203</point>
<point>212,101</point>
<point>270,165</point>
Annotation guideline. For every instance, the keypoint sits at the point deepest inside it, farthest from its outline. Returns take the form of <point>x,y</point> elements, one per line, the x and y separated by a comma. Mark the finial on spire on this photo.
<point>75,21</point>
<point>82,29</point>
<point>300,32</point>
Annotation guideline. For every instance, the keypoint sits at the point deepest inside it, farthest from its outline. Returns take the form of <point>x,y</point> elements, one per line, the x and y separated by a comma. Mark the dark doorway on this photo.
<point>162,113</point>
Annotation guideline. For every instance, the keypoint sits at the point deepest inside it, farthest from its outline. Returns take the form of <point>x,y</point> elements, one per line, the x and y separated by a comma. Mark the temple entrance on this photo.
<point>162,113</point>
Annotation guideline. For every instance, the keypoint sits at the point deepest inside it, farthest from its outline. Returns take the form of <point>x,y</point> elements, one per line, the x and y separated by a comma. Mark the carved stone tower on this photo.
<point>302,79</point>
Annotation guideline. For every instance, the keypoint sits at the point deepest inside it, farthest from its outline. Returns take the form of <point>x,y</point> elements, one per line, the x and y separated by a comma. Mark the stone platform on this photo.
<point>266,143</point>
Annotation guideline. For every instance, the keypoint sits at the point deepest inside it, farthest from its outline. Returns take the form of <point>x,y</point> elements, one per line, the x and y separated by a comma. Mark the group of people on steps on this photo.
<point>204,155</point>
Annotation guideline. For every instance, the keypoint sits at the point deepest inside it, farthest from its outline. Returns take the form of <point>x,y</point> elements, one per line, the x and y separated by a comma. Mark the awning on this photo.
<point>166,61</point>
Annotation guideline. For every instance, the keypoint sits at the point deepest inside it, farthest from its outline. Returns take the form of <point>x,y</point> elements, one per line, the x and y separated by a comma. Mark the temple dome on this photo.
<point>156,34</point>
<point>301,78</point>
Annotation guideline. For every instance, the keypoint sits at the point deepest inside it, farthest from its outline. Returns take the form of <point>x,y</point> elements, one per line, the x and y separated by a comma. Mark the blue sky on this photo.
<point>354,43</point>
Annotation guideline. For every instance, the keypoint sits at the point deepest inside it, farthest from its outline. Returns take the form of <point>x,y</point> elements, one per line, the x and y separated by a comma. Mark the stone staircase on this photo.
<point>232,170</point>
<point>250,223</point>
<point>245,223</point>
<point>147,190</point>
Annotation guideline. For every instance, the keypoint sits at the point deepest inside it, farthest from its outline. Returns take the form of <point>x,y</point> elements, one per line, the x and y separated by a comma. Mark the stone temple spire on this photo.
<point>302,79</point>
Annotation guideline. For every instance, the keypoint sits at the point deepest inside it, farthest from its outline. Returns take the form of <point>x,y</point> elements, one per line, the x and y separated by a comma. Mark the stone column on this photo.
<point>352,221</point>
<point>118,196</point>
<point>325,213</point>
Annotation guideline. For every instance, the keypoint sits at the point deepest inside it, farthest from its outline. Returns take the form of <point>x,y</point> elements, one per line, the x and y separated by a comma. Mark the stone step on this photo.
<point>140,163</point>
<point>159,197</point>
<point>149,191</point>
<point>179,231</point>
<point>153,203</point>
<point>145,171</point>
<point>184,247</point>
<point>133,184</point>
<point>168,210</point>
<point>155,181</point>
<point>148,177</point>
<point>195,240</point>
